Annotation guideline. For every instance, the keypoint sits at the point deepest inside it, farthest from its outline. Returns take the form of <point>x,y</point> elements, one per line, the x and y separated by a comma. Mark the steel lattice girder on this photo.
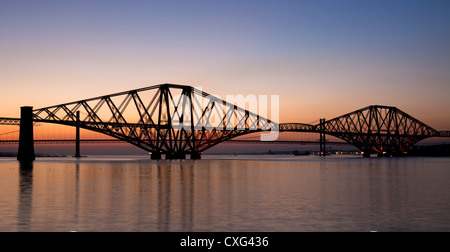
<point>171,118</point>
<point>9,121</point>
<point>379,128</point>
<point>297,127</point>
<point>166,118</point>
<point>444,133</point>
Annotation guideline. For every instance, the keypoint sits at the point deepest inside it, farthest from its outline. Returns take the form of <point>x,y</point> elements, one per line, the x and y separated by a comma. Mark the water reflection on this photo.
<point>187,203</point>
<point>77,192</point>
<point>176,195</point>
<point>227,195</point>
<point>164,198</point>
<point>25,195</point>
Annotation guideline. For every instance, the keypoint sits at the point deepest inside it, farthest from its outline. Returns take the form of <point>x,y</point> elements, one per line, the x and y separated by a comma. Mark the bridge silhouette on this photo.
<point>177,120</point>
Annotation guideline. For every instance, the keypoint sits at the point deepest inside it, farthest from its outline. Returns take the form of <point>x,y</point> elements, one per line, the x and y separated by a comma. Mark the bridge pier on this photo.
<point>77,136</point>
<point>366,153</point>
<point>196,155</point>
<point>176,155</point>
<point>156,155</point>
<point>322,140</point>
<point>26,140</point>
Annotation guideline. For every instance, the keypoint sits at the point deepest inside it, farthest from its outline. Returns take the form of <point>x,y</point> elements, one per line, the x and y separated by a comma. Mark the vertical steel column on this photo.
<point>195,154</point>
<point>322,138</point>
<point>77,136</point>
<point>26,141</point>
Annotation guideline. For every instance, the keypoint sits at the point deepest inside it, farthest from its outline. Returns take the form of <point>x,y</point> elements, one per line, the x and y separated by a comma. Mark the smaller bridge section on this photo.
<point>380,129</point>
<point>9,121</point>
<point>298,127</point>
<point>444,134</point>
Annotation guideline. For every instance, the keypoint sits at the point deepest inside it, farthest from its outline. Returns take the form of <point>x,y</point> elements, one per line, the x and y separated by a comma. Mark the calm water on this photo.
<point>220,193</point>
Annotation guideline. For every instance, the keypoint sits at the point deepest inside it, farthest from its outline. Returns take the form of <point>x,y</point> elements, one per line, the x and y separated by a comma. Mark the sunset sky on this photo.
<point>323,58</point>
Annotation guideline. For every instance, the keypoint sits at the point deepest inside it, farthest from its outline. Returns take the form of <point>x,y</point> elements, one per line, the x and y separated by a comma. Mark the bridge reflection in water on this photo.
<point>286,194</point>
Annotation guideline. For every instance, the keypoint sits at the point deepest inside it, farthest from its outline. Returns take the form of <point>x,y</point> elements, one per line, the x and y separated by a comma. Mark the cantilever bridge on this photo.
<point>175,120</point>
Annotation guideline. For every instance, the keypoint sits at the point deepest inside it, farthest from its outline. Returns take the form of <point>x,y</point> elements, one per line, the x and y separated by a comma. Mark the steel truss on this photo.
<point>380,129</point>
<point>444,134</point>
<point>176,120</point>
<point>297,127</point>
<point>169,119</point>
<point>9,121</point>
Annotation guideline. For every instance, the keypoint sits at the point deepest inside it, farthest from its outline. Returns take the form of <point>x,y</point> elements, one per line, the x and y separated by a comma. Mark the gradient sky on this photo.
<point>324,58</point>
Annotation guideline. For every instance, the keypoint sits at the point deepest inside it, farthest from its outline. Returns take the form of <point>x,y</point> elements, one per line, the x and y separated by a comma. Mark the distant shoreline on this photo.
<point>11,154</point>
<point>441,150</point>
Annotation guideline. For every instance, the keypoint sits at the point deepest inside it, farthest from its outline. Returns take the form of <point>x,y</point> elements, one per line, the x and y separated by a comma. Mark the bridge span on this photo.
<point>175,120</point>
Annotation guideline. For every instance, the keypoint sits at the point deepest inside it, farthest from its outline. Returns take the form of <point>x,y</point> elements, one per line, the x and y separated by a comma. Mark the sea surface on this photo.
<point>225,193</point>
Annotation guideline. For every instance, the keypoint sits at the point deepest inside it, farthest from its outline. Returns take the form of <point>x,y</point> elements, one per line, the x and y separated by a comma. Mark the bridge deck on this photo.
<point>65,141</point>
<point>9,121</point>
